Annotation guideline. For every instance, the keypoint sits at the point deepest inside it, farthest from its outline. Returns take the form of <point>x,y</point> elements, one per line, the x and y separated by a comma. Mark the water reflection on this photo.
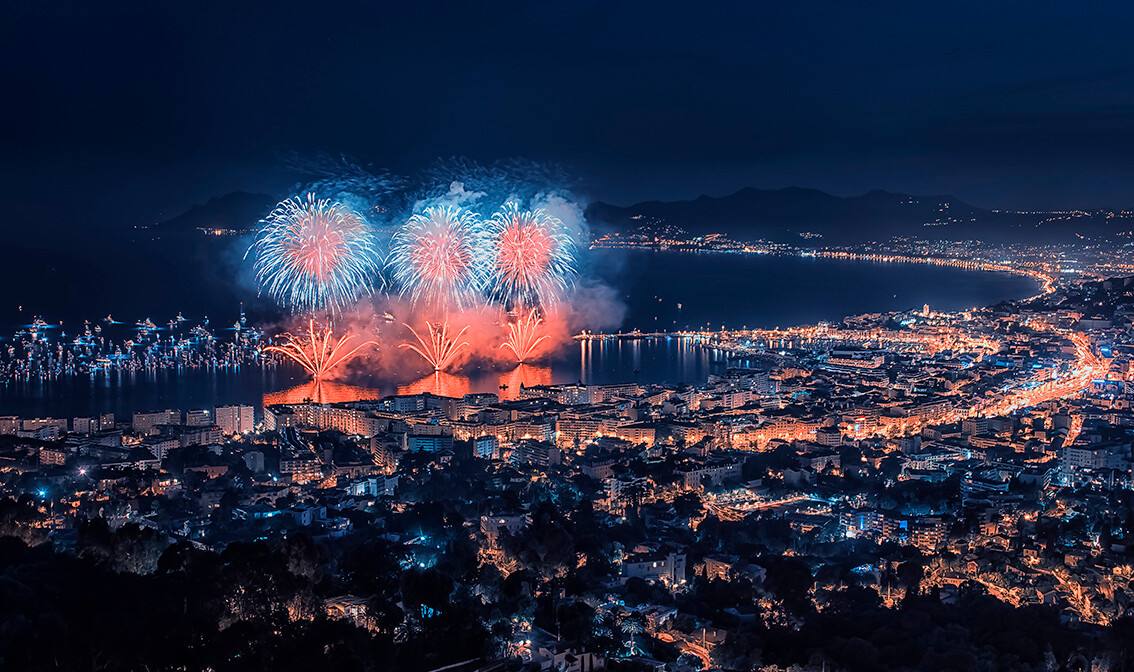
<point>439,383</point>
<point>524,375</point>
<point>665,360</point>
<point>321,392</point>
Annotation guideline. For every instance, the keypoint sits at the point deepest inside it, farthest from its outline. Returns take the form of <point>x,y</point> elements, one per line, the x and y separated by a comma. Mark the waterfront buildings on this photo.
<point>913,456</point>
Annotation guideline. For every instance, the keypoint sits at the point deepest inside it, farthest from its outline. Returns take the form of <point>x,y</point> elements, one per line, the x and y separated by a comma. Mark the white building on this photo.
<point>234,419</point>
<point>148,423</point>
<point>668,567</point>
<point>202,417</point>
<point>493,527</point>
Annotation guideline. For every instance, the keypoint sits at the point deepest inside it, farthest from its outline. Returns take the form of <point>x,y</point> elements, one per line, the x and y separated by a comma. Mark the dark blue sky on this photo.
<point>130,111</point>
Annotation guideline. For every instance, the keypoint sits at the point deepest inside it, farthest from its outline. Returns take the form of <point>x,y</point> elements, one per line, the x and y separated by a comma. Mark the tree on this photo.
<point>304,558</point>
<point>22,519</point>
<point>688,505</point>
<point>790,580</point>
<point>94,540</point>
<point>137,549</point>
<point>426,591</point>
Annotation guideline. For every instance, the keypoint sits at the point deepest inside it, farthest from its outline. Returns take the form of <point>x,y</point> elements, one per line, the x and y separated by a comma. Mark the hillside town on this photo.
<point>831,476</point>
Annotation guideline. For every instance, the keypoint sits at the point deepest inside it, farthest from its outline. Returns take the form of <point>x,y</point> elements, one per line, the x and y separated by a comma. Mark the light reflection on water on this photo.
<point>663,290</point>
<point>321,392</point>
<point>669,360</point>
<point>440,383</point>
<point>524,375</point>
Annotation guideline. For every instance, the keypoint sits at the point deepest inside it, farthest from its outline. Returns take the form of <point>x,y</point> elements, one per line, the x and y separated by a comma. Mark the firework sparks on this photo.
<point>440,349</point>
<point>314,254</point>
<point>319,351</point>
<point>434,257</point>
<point>524,336</point>
<point>531,258</point>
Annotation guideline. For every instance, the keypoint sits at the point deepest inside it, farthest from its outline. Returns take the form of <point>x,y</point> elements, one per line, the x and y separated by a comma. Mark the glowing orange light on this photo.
<point>440,349</point>
<point>318,351</point>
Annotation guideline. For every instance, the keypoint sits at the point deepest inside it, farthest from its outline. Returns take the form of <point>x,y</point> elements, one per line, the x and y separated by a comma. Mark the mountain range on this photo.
<point>794,214</point>
<point>237,211</point>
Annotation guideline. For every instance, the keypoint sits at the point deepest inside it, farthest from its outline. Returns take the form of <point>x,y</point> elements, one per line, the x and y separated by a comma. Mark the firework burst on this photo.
<point>524,336</point>
<point>531,258</point>
<point>318,350</point>
<point>314,254</point>
<point>440,349</point>
<point>434,258</point>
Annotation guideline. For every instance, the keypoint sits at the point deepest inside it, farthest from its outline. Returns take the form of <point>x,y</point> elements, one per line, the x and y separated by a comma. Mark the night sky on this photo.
<point>129,112</point>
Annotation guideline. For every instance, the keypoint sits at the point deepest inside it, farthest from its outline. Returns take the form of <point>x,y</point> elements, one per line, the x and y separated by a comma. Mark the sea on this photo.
<point>652,291</point>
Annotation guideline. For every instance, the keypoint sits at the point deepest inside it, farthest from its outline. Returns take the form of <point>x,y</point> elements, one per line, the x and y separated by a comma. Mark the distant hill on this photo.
<point>786,215</point>
<point>794,214</point>
<point>239,211</point>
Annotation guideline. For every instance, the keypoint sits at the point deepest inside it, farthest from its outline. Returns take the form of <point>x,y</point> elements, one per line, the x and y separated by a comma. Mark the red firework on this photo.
<point>523,254</point>
<point>440,349</point>
<point>532,258</point>
<point>318,351</point>
<point>524,336</point>
<point>433,257</point>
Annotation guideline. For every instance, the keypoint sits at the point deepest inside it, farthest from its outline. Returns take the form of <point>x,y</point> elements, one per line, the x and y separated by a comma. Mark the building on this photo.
<point>711,474</point>
<point>495,526</point>
<point>574,428</point>
<point>667,567</point>
<point>277,418</point>
<point>870,522</point>
<point>195,436</point>
<point>387,452</point>
<point>974,426</point>
<point>52,456</point>
<point>539,429</point>
<point>487,447</point>
<point>928,532</point>
<point>626,489</point>
<point>599,468</point>
<point>429,443</point>
<point>539,453</point>
<point>638,432</point>
<point>819,458</point>
<point>161,446</point>
<point>44,429</point>
<point>1081,463</point>
<point>374,486</point>
<point>234,420</point>
<point>57,426</point>
<point>349,608</point>
<point>301,469</point>
<point>147,424</point>
<point>829,436</point>
<point>566,657</point>
<point>198,418</point>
